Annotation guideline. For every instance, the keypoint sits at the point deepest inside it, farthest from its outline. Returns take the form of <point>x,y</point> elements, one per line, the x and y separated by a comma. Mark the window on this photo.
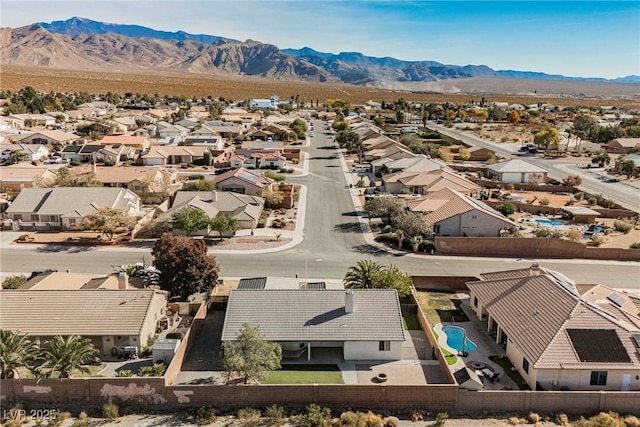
<point>72,221</point>
<point>436,228</point>
<point>384,346</point>
<point>474,217</point>
<point>475,302</point>
<point>35,217</point>
<point>525,365</point>
<point>598,378</point>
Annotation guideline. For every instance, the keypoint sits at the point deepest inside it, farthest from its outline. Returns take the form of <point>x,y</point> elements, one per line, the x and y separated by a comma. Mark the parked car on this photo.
<point>129,352</point>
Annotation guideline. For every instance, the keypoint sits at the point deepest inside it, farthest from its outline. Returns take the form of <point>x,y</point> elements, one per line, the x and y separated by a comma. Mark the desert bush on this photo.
<point>574,235</point>
<point>352,419</point>
<point>82,420</point>
<point>514,421</point>
<point>372,420</point>
<point>275,415</point>
<point>547,232</point>
<point>632,421</point>
<point>316,416</point>
<point>57,418</point>
<point>603,419</point>
<point>110,411</point>
<point>124,373</point>
<point>622,227</point>
<point>562,419</point>
<point>416,416</point>
<point>249,417</point>
<point>533,417</point>
<point>597,240</point>
<point>441,419</point>
<point>391,422</point>
<point>635,245</point>
<point>205,415</point>
<point>544,201</point>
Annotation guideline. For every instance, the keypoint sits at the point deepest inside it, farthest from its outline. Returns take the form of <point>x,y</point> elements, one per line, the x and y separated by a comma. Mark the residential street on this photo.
<point>332,243</point>
<point>625,194</point>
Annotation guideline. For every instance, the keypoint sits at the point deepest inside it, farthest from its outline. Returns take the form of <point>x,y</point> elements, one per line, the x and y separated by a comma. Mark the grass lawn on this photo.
<point>411,323</point>
<point>514,375</point>
<point>305,374</point>
<point>441,307</point>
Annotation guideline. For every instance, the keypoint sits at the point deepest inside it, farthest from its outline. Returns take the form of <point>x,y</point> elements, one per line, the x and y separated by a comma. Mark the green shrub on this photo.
<point>175,335</point>
<point>194,177</point>
<point>110,411</point>
<point>124,373</point>
<point>315,416</point>
<point>249,417</point>
<point>14,282</point>
<point>157,370</point>
<point>275,415</point>
<point>622,227</point>
<point>74,163</point>
<point>635,245</point>
<point>506,208</point>
<point>205,415</point>
<point>441,418</point>
<point>547,232</point>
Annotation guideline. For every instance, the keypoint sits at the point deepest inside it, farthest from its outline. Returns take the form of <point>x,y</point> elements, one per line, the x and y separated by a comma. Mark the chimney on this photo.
<point>348,301</point>
<point>123,280</point>
<point>534,270</point>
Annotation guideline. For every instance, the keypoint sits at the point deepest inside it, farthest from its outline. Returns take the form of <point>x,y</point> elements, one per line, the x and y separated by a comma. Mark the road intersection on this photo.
<point>333,241</point>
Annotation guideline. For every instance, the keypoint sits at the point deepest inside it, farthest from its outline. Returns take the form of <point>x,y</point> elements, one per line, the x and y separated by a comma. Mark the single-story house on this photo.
<point>81,153</point>
<point>49,137</point>
<point>243,181</point>
<point>63,281</point>
<point>579,214</point>
<point>113,154</point>
<point>557,337</point>
<point>109,318</point>
<point>517,172</point>
<point>173,155</point>
<point>227,130</point>
<point>152,184</point>
<point>15,178</point>
<point>423,183</point>
<point>65,207</point>
<point>622,145</point>
<point>245,209</point>
<point>450,213</point>
<point>33,152</point>
<point>418,163</point>
<point>364,324</point>
<point>136,142</point>
<point>167,130</point>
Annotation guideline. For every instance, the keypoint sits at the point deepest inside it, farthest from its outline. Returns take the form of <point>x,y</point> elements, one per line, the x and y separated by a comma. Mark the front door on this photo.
<point>626,382</point>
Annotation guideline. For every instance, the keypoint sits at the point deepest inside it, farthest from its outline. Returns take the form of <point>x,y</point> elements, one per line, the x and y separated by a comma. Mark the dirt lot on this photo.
<point>235,87</point>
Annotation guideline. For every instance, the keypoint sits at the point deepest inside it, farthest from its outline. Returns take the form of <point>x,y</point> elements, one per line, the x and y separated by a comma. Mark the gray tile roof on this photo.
<point>315,315</point>
<point>75,312</point>
<point>70,201</point>
<point>255,283</point>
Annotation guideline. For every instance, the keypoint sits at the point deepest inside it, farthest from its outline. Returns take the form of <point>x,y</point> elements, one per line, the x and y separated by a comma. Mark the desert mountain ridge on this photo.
<point>84,44</point>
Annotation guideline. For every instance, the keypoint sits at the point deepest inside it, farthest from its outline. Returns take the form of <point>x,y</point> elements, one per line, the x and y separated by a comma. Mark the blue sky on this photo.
<point>574,38</point>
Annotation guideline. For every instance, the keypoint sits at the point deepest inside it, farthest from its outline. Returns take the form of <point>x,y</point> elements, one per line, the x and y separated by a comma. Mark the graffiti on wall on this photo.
<point>132,393</point>
<point>183,395</point>
<point>37,389</point>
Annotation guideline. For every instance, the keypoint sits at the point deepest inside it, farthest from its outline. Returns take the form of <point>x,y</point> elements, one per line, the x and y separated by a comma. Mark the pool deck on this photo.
<point>485,347</point>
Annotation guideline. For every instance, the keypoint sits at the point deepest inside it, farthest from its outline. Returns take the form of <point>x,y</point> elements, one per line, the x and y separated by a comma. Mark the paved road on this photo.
<point>625,194</point>
<point>332,243</point>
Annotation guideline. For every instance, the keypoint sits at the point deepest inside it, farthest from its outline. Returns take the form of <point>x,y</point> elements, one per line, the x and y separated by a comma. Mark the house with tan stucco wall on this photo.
<point>560,336</point>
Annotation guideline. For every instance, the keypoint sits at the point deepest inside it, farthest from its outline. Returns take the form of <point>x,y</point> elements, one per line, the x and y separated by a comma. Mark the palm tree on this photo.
<point>16,351</point>
<point>63,355</point>
<point>362,275</point>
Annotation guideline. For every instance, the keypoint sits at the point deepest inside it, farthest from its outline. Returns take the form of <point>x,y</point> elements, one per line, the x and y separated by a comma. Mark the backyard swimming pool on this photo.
<point>549,222</point>
<point>455,337</point>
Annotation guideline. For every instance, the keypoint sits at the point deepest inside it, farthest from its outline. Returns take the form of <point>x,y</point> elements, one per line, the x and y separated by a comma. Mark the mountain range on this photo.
<point>80,43</point>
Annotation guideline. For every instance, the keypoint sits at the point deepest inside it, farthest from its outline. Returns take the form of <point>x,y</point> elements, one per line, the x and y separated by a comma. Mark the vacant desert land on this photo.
<point>237,88</point>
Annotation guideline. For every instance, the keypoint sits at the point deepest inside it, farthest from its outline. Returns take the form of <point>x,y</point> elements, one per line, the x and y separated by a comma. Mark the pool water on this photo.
<point>549,222</point>
<point>455,335</point>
